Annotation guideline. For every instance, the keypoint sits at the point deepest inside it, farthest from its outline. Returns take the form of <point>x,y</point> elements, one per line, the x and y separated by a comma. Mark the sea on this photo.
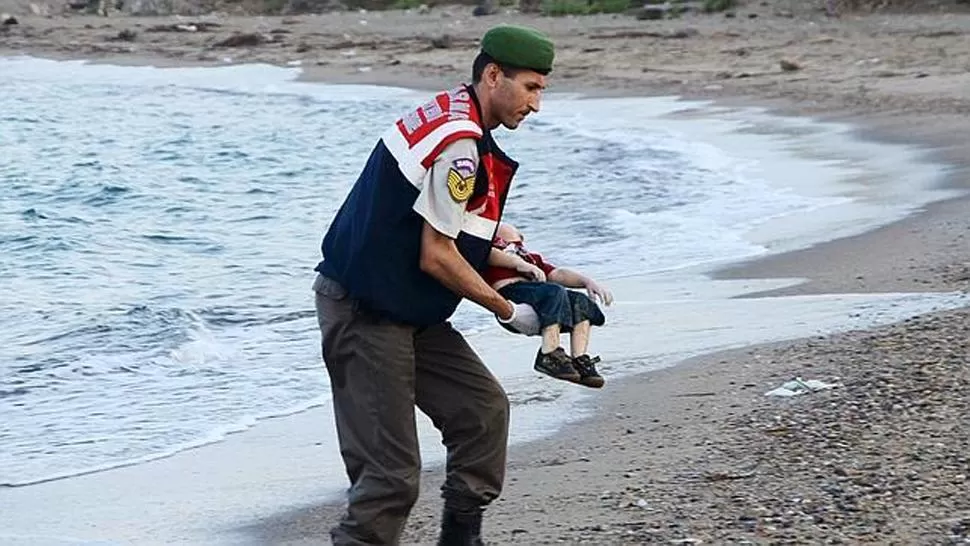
<point>159,229</point>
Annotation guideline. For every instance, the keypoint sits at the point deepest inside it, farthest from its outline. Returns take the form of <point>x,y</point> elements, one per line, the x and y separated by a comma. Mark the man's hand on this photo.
<point>532,272</point>
<point>596,291</point>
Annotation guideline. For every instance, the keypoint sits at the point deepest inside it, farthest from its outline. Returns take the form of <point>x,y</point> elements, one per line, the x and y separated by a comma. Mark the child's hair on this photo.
<point>509,233</point>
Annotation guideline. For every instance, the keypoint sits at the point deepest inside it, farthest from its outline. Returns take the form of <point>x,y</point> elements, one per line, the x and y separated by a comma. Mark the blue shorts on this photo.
<point>555,304</point>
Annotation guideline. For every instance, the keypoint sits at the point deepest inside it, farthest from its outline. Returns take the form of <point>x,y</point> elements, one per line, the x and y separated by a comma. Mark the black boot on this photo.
<point>461,528</point>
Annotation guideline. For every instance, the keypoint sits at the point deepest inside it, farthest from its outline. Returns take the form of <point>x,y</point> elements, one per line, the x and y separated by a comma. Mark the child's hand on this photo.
<point>530,271</point>
<point>596,291</point>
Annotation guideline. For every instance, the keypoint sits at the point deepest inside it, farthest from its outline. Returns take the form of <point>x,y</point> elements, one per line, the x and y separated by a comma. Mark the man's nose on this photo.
<point>534,102</point>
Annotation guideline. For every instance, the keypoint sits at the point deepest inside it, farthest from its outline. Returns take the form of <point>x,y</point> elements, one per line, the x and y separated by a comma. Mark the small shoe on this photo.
<point>556,364</point>
<point>588,375</point>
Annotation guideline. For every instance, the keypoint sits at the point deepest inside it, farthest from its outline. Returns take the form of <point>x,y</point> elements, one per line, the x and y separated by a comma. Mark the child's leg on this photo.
<point>579,338</point>
<point>550,338</point>
<point>586,315</point>
<point>550,302</point>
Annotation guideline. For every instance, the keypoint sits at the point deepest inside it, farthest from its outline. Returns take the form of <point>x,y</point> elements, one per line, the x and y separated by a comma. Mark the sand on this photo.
<point>697,453</point>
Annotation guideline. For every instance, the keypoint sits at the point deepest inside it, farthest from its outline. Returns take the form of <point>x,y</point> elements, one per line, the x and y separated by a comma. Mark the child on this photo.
<point>525,277</point>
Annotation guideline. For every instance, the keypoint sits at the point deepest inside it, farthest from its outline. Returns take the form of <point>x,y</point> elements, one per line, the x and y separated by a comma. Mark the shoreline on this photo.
<point>575,489</point>
<point>693,394</point>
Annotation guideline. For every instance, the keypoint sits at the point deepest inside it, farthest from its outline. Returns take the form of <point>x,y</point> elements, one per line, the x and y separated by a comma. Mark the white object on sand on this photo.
<point>801,386</point>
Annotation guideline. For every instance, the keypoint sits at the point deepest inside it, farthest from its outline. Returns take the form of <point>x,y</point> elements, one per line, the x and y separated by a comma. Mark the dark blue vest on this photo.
<point>373,245</point>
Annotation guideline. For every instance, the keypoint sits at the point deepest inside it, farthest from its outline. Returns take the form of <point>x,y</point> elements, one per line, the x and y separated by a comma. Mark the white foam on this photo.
<point>41,540</point>
<point>214,435</point>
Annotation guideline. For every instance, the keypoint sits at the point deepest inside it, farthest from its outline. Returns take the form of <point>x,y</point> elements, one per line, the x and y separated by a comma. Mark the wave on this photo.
<point>215,435</point>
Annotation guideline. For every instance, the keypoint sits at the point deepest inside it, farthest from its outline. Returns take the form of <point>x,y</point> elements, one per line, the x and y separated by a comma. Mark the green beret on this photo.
<point>520,47</point>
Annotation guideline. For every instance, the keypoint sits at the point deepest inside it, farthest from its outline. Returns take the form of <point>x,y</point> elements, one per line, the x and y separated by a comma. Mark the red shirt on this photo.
<point>493,274</point>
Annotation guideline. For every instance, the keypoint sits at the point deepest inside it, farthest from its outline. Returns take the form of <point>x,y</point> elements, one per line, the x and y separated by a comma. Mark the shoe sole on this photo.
<point>591,382</point>
<point>574,378</point>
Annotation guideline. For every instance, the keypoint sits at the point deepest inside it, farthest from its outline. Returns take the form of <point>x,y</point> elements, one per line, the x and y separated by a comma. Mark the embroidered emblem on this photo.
<point>461,179</point>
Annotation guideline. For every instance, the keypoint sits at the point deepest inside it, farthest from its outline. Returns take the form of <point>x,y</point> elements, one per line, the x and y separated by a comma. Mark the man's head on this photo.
<point>509,73</point>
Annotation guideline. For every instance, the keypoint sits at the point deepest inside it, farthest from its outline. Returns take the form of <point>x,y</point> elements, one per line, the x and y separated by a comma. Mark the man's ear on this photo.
<point>491,75</point>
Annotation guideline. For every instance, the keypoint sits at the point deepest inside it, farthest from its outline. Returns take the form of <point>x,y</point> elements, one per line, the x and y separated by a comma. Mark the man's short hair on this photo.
<point>484,59</point>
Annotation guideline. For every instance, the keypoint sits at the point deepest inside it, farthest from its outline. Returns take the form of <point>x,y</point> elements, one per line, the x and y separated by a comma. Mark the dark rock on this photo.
<point>444,41</point>
<point>651,13</point>
<point>126,35</point>
<point>485,7</point>
<point>243,39</point>
<point>7,19</point>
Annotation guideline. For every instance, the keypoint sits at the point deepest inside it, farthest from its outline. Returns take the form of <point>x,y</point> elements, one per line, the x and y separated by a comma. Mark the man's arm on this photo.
<point>440,259</point>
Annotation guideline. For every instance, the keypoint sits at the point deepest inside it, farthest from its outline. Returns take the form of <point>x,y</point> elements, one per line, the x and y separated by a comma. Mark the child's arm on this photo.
<point>575,279</point>
<point>497,258</point>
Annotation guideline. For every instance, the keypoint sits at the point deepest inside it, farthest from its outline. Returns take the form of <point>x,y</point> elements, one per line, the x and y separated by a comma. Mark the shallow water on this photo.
<point>158,230</point>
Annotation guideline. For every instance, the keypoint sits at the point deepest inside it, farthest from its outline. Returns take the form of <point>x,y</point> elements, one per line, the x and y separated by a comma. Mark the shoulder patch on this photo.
<point>461,179</point>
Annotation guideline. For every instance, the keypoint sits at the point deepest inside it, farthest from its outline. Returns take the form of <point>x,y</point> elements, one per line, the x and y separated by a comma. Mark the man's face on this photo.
<point>517,97</point>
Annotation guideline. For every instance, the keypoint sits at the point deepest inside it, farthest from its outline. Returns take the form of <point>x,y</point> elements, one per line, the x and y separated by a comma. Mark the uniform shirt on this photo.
<point>447,186</point>
<point>436,164</point>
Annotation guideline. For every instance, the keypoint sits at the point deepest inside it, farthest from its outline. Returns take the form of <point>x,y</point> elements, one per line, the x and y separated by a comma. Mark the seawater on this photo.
<point>158,230</point>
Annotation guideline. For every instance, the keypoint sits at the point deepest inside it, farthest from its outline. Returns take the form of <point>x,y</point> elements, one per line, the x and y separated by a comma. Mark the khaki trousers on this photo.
<point>379,371</point>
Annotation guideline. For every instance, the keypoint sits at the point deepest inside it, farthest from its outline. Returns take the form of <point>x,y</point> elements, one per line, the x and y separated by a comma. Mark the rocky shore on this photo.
<point>882,458</point>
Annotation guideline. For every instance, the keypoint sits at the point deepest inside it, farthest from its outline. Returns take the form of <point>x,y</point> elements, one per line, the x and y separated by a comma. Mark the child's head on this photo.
<point>509,233</point>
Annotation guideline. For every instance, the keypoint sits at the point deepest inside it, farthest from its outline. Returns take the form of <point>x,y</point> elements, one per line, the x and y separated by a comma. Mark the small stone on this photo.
<point>127,35</point>
<point>444,41</point>
<point>651,13</point>
<point>243,39</point>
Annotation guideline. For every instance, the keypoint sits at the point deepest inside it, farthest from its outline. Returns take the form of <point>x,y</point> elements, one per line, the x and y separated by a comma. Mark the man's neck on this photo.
<point>484,108</point>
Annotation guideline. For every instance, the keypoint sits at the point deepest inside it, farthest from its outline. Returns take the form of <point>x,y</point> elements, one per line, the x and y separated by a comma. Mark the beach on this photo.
<point>693,453</point>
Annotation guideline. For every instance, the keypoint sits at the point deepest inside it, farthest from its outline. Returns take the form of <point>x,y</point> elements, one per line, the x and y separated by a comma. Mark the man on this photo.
<point>403,250</point>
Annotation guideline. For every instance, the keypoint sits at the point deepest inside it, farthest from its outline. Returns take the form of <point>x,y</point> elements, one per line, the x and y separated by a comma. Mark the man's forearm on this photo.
<point>441,259</point>
<point>462,279</point>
